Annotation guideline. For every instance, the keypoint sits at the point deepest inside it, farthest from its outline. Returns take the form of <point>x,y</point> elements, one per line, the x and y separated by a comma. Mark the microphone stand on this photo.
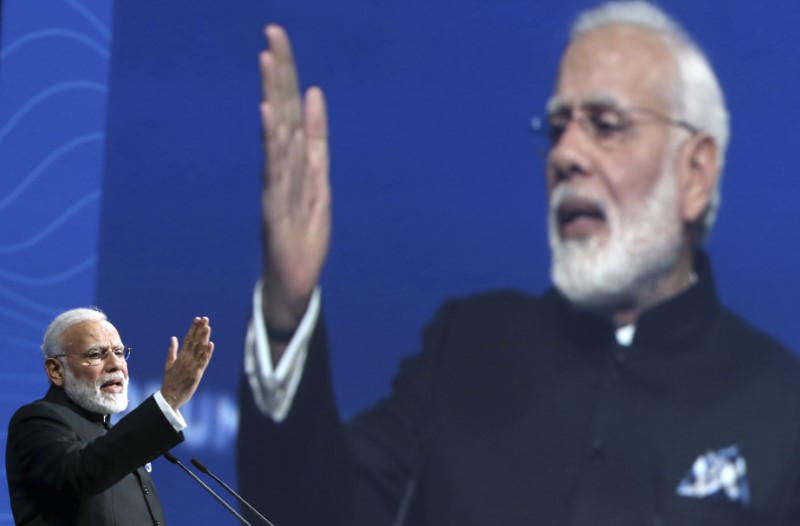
<point>172,458</point>
<point>199,465</point>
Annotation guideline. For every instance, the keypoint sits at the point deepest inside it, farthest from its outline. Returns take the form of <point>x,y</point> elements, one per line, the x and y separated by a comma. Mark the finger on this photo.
<point>206,329</point>
<point>282,75</point>
<point>265,62</point>
<point>207,339</point>
<point>203,335</point>
<point>316,138</point>
<point>285,174</point>
<point>191,334</point>
<point>198,348</point>
<point>201,355</point>
<point>279,79</point>
<point>202,330</point>
<point>265,111</point>
<point>276,130</point>
<point>316,114</point>
<point>209,350</point>
<point>280,138</point>
<point>172,352</point>
<point>196,336</point>
<point>280,85</point>
<point>277,149</point>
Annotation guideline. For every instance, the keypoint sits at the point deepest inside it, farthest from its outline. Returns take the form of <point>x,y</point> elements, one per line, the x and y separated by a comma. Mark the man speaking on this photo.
<point>65,463</point>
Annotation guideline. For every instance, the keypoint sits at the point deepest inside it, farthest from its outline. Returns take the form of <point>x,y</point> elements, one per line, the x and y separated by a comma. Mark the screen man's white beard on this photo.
<point>90,397</point>
<point>643,245</point>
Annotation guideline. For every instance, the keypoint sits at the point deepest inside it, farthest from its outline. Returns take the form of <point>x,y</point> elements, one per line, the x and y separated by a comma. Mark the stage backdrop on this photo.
<point>130,163</point>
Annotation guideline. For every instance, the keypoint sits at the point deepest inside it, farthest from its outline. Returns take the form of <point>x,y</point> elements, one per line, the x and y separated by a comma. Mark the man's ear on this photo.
<point>700,169</point>
<point>55,371</point>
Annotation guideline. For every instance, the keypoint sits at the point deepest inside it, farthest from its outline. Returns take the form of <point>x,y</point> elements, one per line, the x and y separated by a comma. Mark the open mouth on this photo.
<point>114,386</point>
<point>579,217</point>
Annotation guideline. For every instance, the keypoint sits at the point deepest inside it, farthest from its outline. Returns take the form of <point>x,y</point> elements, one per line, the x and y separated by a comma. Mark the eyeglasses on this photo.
<point>607,125</point>
<point>97,356</point>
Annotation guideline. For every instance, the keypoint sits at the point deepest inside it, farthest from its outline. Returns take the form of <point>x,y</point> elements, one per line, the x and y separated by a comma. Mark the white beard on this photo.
<point>90,397</point>
<point>643,245</point>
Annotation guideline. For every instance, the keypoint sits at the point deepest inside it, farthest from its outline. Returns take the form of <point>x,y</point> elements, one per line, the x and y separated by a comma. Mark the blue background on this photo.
<point>130,175</point>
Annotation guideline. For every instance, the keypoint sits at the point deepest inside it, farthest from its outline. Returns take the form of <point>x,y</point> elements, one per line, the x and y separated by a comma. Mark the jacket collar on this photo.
<point>673,321</point>
<point>683,316</point>
<point>56,395</point>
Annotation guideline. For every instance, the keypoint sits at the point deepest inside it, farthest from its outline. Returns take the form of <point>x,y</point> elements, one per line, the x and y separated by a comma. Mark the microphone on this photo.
<point>172,458</point>
<point>199,465</point>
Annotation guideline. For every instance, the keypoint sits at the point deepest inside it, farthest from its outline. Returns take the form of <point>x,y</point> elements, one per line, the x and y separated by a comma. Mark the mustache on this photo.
<point>111,377</point>
<point>566,192</point>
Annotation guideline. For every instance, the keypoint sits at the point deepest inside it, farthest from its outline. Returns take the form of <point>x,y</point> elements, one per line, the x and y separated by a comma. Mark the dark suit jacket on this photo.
<point>522,411</point>
<point>64,468</point>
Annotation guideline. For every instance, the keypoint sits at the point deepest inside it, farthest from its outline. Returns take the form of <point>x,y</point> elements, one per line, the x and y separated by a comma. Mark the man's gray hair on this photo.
<point>699,99</point>
<point>53,343</point>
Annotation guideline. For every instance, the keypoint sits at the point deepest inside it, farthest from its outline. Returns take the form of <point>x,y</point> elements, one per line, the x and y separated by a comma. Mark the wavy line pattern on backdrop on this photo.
<point>53,87</point>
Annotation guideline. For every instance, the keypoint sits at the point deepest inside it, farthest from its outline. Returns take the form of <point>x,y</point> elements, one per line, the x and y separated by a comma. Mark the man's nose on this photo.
<point>113,362</point>
<point>570,154</point>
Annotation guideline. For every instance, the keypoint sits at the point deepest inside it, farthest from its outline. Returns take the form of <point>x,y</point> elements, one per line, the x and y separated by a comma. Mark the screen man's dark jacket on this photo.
<point>521,410</point>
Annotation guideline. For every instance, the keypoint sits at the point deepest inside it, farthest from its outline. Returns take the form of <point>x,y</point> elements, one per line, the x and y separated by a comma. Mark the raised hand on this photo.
<point>184,369</point>
<point>295,198</point>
